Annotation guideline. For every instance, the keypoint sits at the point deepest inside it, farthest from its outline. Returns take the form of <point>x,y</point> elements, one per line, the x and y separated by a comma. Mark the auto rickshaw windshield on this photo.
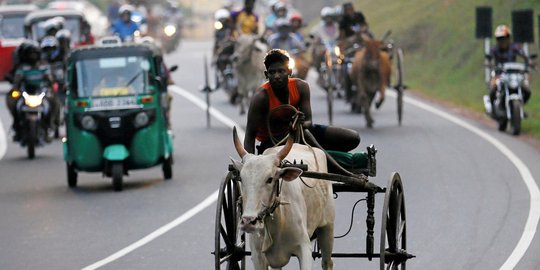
<point>114,76</point>
<point>71,24</point>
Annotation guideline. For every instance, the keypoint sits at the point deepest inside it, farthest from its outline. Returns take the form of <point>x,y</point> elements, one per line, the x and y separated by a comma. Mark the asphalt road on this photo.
<point>467,203</point>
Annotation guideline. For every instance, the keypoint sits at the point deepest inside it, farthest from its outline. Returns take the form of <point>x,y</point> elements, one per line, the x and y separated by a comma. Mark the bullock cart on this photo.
<point>346,60</point>
<point>350,173</point>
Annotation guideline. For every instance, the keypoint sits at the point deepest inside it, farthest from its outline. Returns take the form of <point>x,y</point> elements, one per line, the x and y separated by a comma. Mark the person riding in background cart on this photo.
<point>245,20</point>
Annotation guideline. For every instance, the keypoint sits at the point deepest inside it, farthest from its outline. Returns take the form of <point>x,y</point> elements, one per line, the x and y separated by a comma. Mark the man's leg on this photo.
<point>335,138</point>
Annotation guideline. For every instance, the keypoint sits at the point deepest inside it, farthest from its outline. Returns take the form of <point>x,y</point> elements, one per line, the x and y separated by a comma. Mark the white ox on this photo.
<point>301,212</point>
<point>249,52</point>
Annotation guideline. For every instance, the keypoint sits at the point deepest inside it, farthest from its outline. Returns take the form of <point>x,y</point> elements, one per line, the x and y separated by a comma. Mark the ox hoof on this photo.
<point>379,103</point>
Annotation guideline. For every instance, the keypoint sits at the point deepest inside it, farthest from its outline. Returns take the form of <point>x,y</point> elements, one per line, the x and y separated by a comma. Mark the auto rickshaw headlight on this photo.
<point>141,120</point>
<point>218,25</point>
<point>88,122</point>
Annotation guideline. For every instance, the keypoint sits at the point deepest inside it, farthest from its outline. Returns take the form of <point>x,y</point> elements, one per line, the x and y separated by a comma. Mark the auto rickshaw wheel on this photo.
<point>117,172</point>
<point>71,176</point>
<point>167,168</point>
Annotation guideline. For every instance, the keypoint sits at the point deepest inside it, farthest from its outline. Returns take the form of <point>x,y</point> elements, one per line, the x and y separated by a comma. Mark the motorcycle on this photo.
<point>170,37</point>
<point>224,71</point>
<point>58,74</point>
<point>33,109</point>
<point>507,107</point>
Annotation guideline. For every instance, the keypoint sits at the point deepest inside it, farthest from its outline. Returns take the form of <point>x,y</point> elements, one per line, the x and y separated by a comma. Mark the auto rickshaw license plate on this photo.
<point>117,102</point>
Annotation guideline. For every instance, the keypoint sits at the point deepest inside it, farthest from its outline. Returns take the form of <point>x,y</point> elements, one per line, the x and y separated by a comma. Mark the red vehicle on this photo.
<point>11,33</point>
<point>75,22</point>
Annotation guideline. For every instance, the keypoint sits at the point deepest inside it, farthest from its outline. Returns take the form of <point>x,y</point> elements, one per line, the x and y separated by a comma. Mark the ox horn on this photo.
<point>238,145</point>
<point>286,149</point>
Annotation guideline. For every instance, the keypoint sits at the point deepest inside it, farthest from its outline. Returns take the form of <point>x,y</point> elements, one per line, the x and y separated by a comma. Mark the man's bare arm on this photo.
<point>257,112</point>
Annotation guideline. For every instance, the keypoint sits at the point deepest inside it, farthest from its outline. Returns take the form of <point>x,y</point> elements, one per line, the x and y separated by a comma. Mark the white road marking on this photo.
<point>190,213</point>
<point>534,210</point>
<point>3,141</point>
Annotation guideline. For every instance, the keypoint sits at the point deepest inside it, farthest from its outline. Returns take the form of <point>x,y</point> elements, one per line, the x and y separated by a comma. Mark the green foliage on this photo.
<point>443,58</point>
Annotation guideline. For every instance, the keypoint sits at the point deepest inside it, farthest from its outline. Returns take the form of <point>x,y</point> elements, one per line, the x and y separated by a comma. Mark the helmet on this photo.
<point>338,10</point>
<point>222,14</point>
<point>281,22</point>
<point>53,24</point>
<point>126,9</point>
<point>280,5</point>
<point>296,16</point>
<point>63,35</point>
<point>28,50</point>
<point>49,42</point>
<point>502,31</point>
<point>326,11</point>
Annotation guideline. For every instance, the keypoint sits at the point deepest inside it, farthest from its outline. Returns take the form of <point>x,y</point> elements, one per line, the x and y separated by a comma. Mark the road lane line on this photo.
<point>3,141</point>
<point>190,213</point>
<point>534,210</point>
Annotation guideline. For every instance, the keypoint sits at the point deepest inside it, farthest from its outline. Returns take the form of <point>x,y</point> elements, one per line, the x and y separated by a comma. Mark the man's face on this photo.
<point>278,75</point>
<point>249,5</point>
<point>503,42</point>
<point>126,17</point>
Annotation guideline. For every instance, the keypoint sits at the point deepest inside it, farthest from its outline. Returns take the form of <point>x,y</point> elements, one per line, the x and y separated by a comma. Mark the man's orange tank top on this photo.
<point>274,102</point>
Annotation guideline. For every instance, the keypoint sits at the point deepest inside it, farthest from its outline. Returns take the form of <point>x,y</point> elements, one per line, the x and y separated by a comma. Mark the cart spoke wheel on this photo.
<point>394,227</point>
<point>230,244</point>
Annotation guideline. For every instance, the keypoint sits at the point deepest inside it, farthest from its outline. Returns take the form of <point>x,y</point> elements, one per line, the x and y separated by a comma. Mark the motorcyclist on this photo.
<point>223,29</point>
<point>124,27</point>
<point>505,51</point>
<point>245,20</point>
<point>278,90</point>
<point>285,40</point>
<point>297,24</point>
<point>52,26</point>
<point>323,34</point>
<point>30,74</point>
<point>64,43</point>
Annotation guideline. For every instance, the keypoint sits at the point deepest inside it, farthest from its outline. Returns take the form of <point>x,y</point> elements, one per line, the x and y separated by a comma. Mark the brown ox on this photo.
<point>370,73</point>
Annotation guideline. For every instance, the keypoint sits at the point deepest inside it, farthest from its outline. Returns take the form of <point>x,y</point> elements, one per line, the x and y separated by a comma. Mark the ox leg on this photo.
<point>382,94</point>
<point>325,239</point>
<point>305,257</point>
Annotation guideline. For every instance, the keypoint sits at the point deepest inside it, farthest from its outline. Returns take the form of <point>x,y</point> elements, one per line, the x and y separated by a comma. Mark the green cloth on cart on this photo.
<point>350,160</point>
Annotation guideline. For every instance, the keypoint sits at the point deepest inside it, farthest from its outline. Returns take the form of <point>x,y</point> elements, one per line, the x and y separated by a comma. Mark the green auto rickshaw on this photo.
<point>117,111</point>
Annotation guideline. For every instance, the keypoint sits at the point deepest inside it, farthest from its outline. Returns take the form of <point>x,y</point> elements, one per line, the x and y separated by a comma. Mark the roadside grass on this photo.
<point>443,59</point>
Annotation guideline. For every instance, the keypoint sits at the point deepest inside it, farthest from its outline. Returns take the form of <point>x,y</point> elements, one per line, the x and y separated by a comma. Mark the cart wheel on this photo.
<point>394,227</point>
<point>71,176</point>
<point>230,242</point>
<point>117,172</point>
<point>167,168</point>
<point>400,86</point>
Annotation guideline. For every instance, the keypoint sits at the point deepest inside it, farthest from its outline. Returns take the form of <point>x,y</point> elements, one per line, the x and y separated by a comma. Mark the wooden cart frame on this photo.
<point>230,243</point>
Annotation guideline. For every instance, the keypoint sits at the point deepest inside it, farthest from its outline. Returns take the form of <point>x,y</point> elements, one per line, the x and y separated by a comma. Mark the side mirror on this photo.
<point>487,56</point>
<point>173,68</point>
<point>533,56</point>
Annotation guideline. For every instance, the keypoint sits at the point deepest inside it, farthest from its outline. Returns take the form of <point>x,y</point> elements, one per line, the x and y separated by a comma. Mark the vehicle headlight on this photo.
<point>141,120</point>
<point>337,51</point>
<point>218,25</point>
<point>88,122</point>
<point>513,81</point>
<point>33,100</point>
<point>137,33</point>
<point>15,94</point>
<point>169,30</point>
<point>291,63</point>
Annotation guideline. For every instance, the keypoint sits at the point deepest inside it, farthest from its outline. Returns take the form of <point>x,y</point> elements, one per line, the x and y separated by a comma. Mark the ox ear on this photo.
<point>236,164</point>
<point>289,174</point>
